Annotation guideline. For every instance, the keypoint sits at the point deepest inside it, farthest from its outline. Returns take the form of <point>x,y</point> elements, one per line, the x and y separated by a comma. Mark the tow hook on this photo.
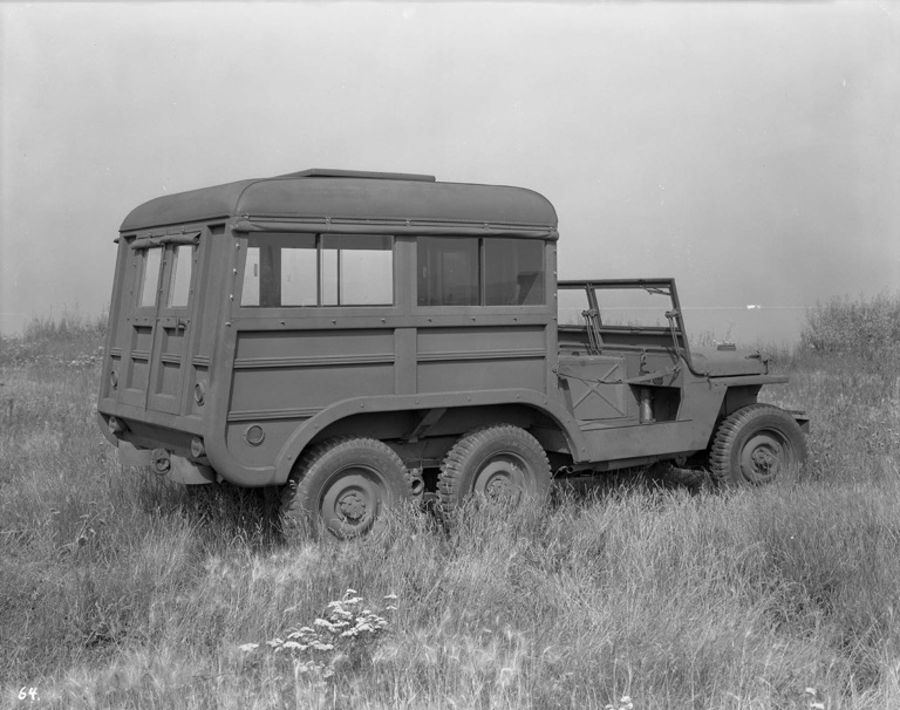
<point>160,461</point>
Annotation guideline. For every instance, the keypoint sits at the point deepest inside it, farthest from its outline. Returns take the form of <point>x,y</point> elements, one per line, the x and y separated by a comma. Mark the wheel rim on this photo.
<point>501,480</point>
<point>764,456</point>
<point>351,501</point>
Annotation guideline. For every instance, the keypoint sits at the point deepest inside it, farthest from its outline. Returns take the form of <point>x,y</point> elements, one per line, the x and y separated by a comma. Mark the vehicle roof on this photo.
<point>323,195</point>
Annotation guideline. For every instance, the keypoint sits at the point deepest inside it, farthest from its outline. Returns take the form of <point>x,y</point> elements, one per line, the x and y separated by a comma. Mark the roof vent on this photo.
<point>329,173</point>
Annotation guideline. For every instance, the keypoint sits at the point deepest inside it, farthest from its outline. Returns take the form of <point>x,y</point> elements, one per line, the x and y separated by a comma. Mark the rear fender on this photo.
<point>320,422</point>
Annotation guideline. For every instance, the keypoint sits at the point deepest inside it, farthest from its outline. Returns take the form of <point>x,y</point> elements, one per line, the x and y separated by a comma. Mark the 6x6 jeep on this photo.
<point>359,339</point>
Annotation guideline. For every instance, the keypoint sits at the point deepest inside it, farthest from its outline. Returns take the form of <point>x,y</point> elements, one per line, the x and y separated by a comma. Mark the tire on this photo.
<point>501,464</point>
<point>754,445</point>
<point>343,486</point>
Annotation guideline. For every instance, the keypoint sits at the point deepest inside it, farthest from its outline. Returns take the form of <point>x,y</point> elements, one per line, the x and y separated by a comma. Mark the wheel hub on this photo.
<point>498,488</point>
<point>761,458</point>
<point>352,506</point>
<point>501,480</point>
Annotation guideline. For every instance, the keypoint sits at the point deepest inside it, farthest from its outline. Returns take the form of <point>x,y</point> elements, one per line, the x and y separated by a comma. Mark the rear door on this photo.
<point>158,327</point>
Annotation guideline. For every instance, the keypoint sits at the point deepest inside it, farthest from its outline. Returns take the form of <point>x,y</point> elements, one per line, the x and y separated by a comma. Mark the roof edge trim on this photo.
<point>407,227</point>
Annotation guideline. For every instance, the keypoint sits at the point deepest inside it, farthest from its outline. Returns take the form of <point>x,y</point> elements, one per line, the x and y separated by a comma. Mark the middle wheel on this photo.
<point>502,464</point>
<point>344,486</point>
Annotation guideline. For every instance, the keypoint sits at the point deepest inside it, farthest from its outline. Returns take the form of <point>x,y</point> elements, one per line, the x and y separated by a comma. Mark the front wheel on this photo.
<point>755,445</point>
<point>502,465</point>
<point>344,486</point>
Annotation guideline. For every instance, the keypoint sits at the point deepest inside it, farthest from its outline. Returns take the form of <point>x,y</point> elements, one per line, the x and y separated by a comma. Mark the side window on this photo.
<point>150,277</point>
<point>180,286</point>
<point>280,270</point>
<point>467,271</point>
<point>513,272</point>
<point>448,271</point>
<point>357,270</point>
<point>298,275</point>
<point>318,270</point>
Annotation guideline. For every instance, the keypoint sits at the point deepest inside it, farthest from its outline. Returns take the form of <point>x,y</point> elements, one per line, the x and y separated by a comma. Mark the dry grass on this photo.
<point>120,591</point>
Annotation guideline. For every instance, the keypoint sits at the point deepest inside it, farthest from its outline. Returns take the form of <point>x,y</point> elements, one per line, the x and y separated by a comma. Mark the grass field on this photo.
<point>118,590</point>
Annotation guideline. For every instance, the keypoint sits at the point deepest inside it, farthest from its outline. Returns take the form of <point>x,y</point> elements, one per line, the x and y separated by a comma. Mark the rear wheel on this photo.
<point>502,465</point>
<point>755,445</point>
<point>344,486</point>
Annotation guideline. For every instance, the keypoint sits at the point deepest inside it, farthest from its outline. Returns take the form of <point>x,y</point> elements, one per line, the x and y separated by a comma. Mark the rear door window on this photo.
<point>180,286</point>
<point>150,277</point>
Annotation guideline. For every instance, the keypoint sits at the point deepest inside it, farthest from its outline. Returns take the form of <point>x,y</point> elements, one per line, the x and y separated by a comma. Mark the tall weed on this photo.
<point>863,327</point>
<point>120,590</point>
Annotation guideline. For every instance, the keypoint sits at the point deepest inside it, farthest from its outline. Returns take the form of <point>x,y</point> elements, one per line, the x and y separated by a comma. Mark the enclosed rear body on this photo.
<point>256,325</point>
<point>256,314</point>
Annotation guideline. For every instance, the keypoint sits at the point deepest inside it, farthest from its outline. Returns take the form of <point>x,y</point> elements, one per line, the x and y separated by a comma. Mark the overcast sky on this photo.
<point>751,150</point>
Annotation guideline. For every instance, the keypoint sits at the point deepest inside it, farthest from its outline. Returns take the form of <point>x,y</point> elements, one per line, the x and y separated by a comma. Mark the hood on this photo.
<point>725,361</point>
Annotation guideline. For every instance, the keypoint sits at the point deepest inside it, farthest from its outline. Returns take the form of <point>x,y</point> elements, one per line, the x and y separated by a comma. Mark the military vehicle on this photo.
<point>359,339</point>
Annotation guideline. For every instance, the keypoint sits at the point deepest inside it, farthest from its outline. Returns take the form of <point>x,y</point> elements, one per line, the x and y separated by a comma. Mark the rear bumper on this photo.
<point>176,468</point>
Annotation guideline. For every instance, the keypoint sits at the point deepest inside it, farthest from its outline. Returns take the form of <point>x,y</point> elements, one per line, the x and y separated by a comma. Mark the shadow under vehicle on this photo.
<point>359,339</point>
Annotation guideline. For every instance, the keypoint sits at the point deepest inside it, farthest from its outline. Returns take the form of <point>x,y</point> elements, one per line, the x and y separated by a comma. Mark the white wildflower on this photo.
<point>247,647</point>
